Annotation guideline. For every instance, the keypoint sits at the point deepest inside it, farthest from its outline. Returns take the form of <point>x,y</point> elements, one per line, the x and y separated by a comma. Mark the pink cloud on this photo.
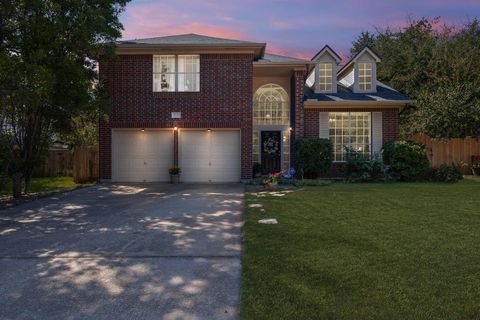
<point>281,24</point>
<point>274,49</point>
<point>151,20</point>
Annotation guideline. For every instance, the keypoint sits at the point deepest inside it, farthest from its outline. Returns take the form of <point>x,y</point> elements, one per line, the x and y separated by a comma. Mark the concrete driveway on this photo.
<point>152,251</point>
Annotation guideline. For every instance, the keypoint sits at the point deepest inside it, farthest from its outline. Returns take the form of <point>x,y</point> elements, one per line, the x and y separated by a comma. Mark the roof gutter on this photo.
<point>313,103</point>
<point>307,65</point>
<point>258,49</point>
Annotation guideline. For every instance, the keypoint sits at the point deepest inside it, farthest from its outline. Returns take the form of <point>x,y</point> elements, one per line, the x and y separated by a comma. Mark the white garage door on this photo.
<point>210,156</point>
<point>141,156</point>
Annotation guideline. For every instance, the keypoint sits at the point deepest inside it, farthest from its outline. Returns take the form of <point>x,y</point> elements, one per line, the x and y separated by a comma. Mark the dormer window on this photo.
<point>325,76</point>
<point>365,76</point>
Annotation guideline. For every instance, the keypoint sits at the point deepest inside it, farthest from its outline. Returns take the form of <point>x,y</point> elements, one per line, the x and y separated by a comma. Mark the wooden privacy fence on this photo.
<point>450,151</point>
<point>58,163</point>
<point>81,164</point>
<point>85,164</point>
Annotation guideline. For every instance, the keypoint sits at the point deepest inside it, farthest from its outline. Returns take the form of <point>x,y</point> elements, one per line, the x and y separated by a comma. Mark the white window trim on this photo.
<point>176,73</point>
<point>350,127</point>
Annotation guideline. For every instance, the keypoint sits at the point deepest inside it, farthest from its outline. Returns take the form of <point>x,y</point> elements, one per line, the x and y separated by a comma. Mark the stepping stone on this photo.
<point>255,205</point>
<point>268,221</point>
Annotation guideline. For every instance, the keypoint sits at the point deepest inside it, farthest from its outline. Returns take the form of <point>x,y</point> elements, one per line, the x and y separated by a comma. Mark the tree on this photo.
<point>365,39</point>
<point>437,109</point>
<point>48,51</point>
<point>435,64</point>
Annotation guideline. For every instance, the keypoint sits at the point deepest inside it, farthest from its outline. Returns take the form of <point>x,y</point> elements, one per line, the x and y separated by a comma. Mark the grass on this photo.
<point>38,187</point>
<point>364,251</point>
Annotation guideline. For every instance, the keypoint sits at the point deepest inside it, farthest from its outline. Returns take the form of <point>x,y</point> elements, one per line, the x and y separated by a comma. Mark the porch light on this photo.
<point>209,130</point>
<point>175,128</point>
<point>143,129</point>
<point>290,129</point>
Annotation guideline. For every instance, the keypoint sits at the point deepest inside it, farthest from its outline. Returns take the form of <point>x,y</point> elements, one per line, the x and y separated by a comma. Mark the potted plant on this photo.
<point>174,175</point>
<point>272,181</point>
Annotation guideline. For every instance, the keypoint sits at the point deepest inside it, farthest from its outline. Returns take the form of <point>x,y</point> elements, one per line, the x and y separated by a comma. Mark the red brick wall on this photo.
<point>297,92</point>
<point>224,101</point>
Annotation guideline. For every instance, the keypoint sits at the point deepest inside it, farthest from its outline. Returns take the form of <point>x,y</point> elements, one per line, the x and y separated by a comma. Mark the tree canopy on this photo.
<point>48,72</point>
<point>437,65</point>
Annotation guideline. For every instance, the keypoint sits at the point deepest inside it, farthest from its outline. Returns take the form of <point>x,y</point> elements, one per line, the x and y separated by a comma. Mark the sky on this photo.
<point>297,28</point>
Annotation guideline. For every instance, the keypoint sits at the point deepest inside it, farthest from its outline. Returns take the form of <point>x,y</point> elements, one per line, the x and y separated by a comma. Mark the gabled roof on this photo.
<point>327,49</point>
<point>188,39</point>
<point>190,42</point>
<point>344,95</point>
<point>359,54</point>
<point>275,58</point>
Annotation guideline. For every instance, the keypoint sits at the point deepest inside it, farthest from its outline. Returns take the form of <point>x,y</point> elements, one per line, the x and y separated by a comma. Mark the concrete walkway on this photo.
<point>152,251</point>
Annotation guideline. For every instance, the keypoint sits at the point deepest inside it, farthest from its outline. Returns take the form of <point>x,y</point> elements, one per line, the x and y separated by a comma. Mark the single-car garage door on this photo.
<point>210,156</point>
<point>139,156</point>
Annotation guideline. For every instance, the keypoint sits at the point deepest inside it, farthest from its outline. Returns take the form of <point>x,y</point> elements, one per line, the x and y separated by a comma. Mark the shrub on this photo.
<point>476,165</point>
<point>174,171</point>
<point>360,168</point>
<point>313,155</point>
<point>446,173</point>
<point>407,160</point>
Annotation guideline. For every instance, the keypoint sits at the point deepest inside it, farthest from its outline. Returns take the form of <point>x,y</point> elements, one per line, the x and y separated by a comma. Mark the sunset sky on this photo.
<point>297,28</point>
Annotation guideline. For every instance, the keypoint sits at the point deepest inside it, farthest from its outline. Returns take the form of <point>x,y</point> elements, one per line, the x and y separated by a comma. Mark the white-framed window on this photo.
<point>176,73</point>
<point>350,130</point>
<point>271,106</point>
<point>365,76</point>
<point>325,76</point>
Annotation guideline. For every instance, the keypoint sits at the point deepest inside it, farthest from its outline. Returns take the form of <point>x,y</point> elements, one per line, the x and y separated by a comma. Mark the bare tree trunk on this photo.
<point>17,185</point>
<point>28,177</point>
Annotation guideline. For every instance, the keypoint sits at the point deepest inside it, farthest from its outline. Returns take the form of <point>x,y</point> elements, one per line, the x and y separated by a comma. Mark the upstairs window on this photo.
<point>325,76</point>
<point>176,73</point>
<point>365,76</point>
<point>271,106</point>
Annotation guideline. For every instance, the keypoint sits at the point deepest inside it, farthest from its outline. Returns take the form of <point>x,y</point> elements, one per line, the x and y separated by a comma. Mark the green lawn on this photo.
<point>364,251</point>
<point>46,184</point>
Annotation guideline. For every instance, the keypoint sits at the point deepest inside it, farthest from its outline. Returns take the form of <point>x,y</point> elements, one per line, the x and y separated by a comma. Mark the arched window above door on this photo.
<point>271,106</point>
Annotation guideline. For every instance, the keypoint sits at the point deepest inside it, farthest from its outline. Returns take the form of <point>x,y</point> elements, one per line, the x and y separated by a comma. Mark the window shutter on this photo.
<point>377,132</point>
<point>324,129</point>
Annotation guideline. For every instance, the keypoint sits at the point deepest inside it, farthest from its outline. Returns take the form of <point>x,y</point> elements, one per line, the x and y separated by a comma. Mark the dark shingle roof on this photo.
<point>384,93</point>
<point>188,39</point>
<point>275,58</point>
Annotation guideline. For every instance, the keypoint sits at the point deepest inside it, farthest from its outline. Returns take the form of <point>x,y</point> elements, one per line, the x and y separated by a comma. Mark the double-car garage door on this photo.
<point>204,155</point>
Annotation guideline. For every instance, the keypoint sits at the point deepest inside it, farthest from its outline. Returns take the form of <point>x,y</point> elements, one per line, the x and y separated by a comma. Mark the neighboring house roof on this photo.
<point>355,57</point>
<point>275,58</point>
<point>332,52</point>
<point>190,41</point>
<point>384,94</point>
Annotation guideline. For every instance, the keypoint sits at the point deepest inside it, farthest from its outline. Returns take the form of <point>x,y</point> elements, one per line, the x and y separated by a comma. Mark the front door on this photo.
<point>271,151</point>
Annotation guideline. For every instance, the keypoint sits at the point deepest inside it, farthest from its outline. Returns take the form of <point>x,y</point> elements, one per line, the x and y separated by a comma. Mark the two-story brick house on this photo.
<point>215,107</point>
